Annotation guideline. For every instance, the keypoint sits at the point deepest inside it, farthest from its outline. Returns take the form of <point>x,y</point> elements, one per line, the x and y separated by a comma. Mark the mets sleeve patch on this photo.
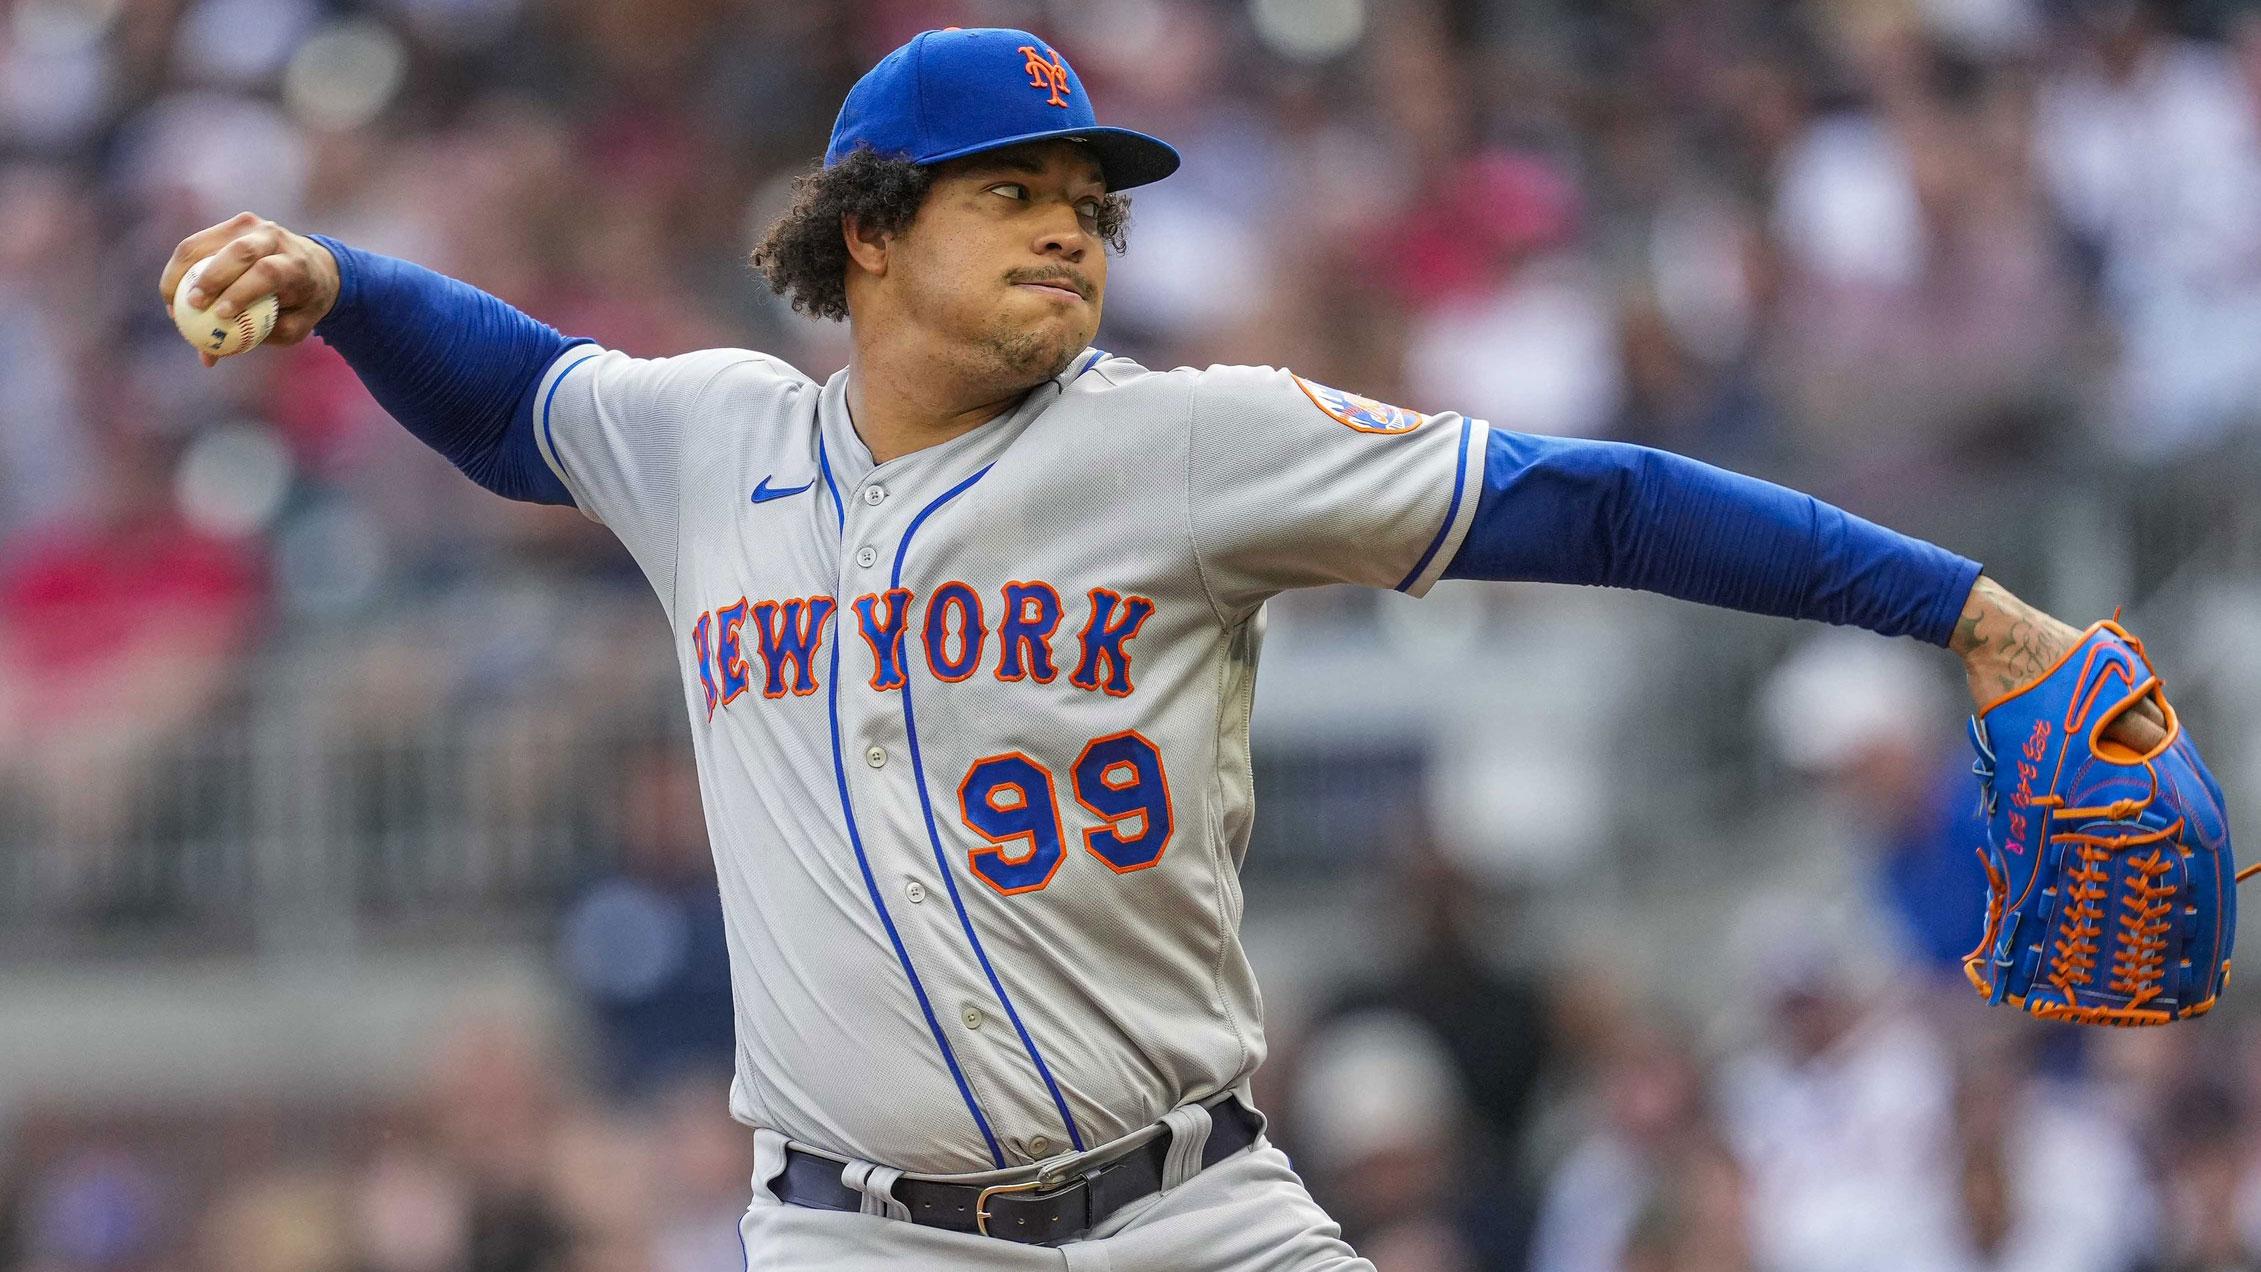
<point>1362,413</point>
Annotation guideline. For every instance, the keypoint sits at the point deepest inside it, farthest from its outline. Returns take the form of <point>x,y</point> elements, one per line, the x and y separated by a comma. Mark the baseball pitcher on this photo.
<point>968,635</point>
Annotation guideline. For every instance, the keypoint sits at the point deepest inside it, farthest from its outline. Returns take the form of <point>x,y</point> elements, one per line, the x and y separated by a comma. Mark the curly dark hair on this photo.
<point>805,254</point>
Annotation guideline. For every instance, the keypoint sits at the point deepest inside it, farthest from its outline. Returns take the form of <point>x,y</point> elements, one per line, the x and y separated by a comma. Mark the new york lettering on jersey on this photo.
<point>972,723</point>
<point>954,635</point>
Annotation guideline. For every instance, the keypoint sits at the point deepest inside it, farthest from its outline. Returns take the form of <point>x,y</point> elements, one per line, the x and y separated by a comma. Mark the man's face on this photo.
<point>1004,260</point>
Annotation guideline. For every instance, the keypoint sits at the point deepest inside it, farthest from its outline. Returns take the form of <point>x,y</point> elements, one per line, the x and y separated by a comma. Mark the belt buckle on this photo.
<point>981,1215</point>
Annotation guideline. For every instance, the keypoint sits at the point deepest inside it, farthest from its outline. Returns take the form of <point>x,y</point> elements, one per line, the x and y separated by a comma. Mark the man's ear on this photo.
<point>866,247</point>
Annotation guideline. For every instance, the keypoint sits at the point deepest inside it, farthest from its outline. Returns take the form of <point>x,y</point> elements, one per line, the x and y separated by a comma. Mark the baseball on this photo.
<point>220,339</point>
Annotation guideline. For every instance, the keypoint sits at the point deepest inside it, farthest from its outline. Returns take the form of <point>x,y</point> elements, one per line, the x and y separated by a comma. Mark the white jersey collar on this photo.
<point>851,460</point>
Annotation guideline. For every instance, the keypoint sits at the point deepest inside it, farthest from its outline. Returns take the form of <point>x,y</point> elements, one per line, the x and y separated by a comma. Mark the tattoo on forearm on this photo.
<point>2026,651</point>
<point>1966,637</point>
<point>1986,598</point>
<point>2006,642</point>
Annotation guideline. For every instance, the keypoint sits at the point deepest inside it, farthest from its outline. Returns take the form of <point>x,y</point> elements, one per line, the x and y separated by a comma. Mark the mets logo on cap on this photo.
<point>1045,71</point>
<point>1362,413</point>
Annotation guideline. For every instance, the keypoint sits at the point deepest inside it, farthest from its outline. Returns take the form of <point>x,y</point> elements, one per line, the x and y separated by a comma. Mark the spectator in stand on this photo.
<point>1509,323</point>
<point>493,1105</point>
<point>1496,1029</point>
<point>1898,804</point>
<point>119,625</point>
<point>289,1220</point>
<point>45,468</point>
<point>2151,143</point>
<point>701,1170</point>
<point>1699,1221</point>
<point>1926,315</point>
<point>2202,1151</point>
<point>643,946</point>
<point>98,1208</point>
<point>2032,1128</point>
<point>1650,1182</point>
<point>1381,1122</point>
<point>1839,1111</point>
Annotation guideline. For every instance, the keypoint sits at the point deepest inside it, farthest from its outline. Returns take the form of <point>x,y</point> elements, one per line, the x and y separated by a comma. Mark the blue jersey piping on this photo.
<point>949,876</point>
<point>1452,512</point>
<point>550,397</point>
<point>855,838</point>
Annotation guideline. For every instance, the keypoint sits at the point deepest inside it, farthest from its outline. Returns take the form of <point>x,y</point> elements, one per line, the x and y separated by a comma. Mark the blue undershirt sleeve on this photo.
<point>1563,510</point>
<point>456,366</point>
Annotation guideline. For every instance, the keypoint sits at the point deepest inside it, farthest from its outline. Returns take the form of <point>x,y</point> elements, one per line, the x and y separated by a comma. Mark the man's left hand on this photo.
<point>2007,644</point>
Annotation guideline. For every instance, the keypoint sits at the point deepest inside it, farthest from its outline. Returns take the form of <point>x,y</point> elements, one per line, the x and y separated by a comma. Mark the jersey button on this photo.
<point>867,556</point>
<point>1038,1146</point>
<point>915,890</point>
<point>972,1017</point>
<point>873,495</point>
<point>876,758</point>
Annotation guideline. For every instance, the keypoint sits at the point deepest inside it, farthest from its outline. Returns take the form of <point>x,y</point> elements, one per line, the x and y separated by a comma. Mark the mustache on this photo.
<point>1067,278</point>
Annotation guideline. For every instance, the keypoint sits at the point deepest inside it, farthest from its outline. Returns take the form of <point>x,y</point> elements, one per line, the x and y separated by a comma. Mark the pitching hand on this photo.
<point>256,257</point>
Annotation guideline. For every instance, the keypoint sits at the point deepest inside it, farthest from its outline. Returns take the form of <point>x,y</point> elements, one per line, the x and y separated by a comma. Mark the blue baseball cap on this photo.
<point>949,94</point>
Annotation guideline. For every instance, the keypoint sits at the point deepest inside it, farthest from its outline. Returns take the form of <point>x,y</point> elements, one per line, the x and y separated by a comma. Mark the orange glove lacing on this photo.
<point>2141,962</point>
<point>1997,900</point>
<point>2075,963</point>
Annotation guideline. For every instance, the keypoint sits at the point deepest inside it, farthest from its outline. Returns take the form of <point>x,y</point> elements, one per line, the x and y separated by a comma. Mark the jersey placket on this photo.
<point>999,1066</point>
<point>860,741</point>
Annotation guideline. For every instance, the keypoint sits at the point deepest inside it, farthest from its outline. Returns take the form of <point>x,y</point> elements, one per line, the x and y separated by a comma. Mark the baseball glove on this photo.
<point>2110,893</point>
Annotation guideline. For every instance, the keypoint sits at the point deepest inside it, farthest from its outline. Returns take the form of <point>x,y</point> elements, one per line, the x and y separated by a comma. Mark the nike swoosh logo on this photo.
<point>763,493</point>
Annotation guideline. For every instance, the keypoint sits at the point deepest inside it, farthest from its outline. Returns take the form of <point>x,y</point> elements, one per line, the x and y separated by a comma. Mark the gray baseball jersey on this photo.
<point>972,724</point>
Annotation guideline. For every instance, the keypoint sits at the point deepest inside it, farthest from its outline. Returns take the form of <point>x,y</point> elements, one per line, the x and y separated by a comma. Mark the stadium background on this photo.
<point>354,910</point>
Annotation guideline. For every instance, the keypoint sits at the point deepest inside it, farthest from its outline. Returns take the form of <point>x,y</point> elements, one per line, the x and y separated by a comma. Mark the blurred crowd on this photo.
<point>1892,251</point>
<point>498,1159</point>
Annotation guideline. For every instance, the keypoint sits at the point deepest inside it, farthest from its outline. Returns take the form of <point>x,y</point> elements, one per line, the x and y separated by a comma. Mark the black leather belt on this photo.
<point>1031,1213</point>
